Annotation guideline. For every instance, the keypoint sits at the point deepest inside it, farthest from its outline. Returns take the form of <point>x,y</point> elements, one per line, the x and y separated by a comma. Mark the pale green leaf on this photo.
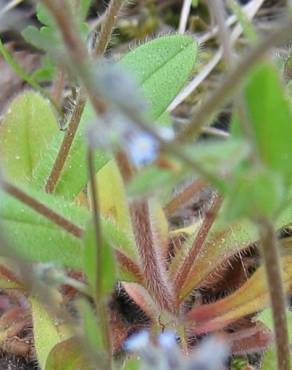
<point>46,332</point>
<point>162,67</point>
<point>68,355</point>
<point>27,128</point>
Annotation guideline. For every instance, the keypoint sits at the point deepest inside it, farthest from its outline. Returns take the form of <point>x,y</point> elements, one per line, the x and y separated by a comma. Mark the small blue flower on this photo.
<point>167,340</point>
<point>137,342</point>
<point>142,149</point>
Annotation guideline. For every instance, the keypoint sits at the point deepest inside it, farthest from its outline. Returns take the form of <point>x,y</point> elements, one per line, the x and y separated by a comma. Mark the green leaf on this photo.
<point>74,175</point>
<point>27,128</point>
<point>21,72</point>
<point>133,363</point>
<point>42,38</point>
<point>270,360</point>
<point>271,119</point>
<point>46,72</point>
<point>84,6</point>
<point>46,333</point>
<point>90,262</point>
<point>44,16</point>
<point>162,67</point>
<point>35,238</point>
<point>255,193</point>
<point>68,355</point>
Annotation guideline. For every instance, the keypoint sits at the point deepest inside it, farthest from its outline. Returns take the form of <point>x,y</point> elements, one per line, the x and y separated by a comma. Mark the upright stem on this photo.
<point>99,299</point>
<point>107,27</point>
<point>153,268</point>
<point>270,254</point>
<point>66,145</point>
<point>99,49</point>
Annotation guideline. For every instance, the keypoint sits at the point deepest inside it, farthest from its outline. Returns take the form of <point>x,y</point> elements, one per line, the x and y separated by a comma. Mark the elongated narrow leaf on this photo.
<point>143,299</point>
<point>108,262</point>
<point>68,355</point>
<point>251,297</point>
<point>28,126</point>
<point>46,332</point>
<point>162,67</point>
<point>271,120</point>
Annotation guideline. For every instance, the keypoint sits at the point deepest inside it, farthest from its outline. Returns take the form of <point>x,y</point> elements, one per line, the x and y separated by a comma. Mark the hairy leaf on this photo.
<point>46,332</point>
<point>27,128</point>
<point>162,67</point>
<point>271,120</point>
<point>143,299</point>
<point>35,238</point>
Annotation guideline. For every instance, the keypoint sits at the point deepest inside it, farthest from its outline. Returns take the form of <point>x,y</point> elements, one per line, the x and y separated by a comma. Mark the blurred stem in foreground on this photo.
<point>97,50</point>
<point>270,254</point>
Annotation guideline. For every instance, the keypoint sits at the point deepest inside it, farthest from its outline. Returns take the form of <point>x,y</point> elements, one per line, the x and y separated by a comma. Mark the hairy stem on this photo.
<point>42,209</point>
<point>232,81</point>
<point>153,268</point>
<point>66,145</point>
<point>96,222</point>
<point>108,26</point>
<point>217,9</point>
<point>183,197</point>
<point>76,47</point>
<point>201,237</point>
<point>58,87</point>
<point>270,254</point>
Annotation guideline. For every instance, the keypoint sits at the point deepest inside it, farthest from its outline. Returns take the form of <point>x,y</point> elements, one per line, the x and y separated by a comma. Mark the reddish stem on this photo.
<point>186,267</point>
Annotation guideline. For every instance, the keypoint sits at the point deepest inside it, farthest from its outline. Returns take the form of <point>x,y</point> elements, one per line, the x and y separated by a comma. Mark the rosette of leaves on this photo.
<point>174,276</point>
